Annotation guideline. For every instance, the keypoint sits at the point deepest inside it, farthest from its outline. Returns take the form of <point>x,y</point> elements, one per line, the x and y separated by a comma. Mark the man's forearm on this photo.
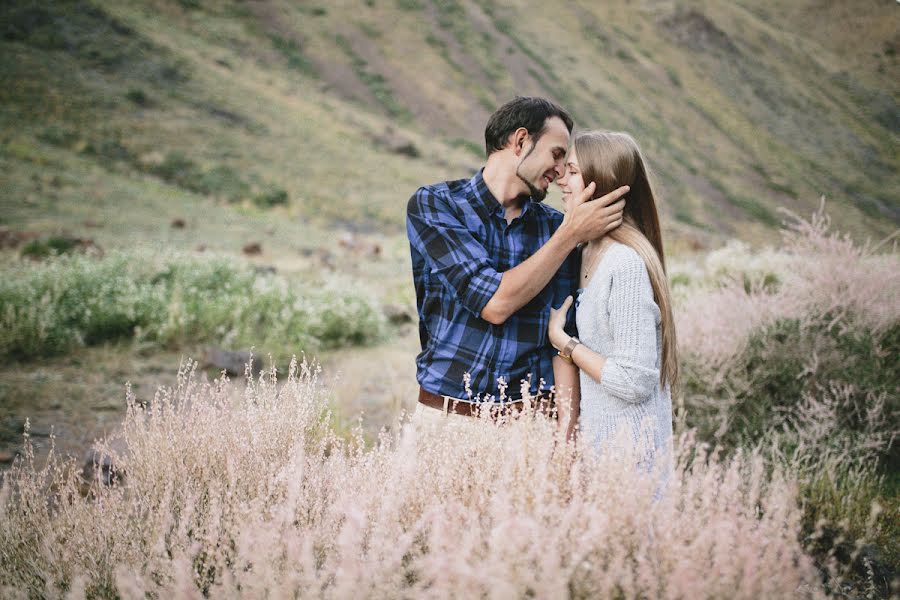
<point>521,284</point>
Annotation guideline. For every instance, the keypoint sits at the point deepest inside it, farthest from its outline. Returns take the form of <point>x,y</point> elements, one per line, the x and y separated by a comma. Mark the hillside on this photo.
<point>293,118</point>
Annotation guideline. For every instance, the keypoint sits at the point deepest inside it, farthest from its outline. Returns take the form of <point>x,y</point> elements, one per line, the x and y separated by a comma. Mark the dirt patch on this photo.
<point>694,30</point>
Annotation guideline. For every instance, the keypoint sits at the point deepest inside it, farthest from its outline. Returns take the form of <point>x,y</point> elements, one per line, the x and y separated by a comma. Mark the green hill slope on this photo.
<point>298,115</point>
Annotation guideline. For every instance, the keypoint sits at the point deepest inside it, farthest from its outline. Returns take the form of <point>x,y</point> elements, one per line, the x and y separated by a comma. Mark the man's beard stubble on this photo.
<point>537,194</point>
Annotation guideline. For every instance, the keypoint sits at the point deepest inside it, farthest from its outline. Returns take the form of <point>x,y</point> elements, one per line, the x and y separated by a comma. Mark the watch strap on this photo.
<point>566,353</point>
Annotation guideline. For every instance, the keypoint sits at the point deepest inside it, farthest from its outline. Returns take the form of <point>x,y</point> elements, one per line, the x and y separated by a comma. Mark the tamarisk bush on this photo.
<point>798,354</point>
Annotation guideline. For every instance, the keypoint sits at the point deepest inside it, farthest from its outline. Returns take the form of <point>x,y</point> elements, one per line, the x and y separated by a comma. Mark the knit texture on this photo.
<point>618,318</point>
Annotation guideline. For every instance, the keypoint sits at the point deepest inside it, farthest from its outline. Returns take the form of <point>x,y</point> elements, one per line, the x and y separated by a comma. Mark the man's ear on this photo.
<point>518,138</point>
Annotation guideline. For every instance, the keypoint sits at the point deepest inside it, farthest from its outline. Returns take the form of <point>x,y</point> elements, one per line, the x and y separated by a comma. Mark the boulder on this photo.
<point>233,362</point>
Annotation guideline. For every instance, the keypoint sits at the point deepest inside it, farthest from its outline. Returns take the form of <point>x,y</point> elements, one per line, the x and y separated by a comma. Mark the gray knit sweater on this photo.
<point>618,318</point>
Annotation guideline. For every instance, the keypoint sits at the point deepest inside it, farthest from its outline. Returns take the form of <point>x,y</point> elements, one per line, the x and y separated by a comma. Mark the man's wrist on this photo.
<point>566,236</point>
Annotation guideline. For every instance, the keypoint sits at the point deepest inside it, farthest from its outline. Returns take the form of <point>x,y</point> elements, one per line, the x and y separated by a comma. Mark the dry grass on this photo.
<point>256,496</point>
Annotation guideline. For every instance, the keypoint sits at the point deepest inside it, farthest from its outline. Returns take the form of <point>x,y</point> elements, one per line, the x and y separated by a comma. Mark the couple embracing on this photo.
<point>498,273</point>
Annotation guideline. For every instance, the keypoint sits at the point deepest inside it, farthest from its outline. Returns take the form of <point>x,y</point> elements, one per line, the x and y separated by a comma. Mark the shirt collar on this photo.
<point>483,194</point>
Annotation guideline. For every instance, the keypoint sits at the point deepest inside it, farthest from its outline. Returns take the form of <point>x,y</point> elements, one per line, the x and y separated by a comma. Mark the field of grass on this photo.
<point>234,175</point>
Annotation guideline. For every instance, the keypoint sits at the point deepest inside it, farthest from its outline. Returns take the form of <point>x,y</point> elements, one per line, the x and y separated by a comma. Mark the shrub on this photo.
<point>138,97</point>
<point>58,135</point>
<point>53,245</point>
<point>224,182</point>
<point>180,170</point>
<point>174,301</point>
<point>271,198</point>
<point>795,351</point>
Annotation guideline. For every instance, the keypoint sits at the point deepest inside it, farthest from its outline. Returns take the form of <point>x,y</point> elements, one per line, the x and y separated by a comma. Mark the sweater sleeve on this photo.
<point>631,372</point>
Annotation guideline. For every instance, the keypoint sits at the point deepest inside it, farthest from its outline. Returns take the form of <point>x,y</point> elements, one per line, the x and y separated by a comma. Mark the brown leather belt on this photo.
<point>542,402</point>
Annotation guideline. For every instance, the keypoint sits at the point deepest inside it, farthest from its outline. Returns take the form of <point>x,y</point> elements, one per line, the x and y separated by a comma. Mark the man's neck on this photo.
<point>505,185</point>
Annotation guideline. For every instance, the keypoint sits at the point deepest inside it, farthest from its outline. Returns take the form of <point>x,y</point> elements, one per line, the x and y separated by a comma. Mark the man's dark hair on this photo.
<point>522,111</point>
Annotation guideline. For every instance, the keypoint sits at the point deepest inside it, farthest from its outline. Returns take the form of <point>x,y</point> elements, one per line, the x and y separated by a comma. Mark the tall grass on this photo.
<point>255,496</point>
<point>175,300</point>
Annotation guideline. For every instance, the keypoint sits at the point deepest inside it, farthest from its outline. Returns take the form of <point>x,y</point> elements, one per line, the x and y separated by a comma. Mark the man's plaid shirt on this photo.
<point>461,244</point>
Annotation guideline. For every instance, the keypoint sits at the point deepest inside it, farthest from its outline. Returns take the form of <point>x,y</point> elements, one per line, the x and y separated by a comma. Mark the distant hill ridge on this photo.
<point>338,110</point>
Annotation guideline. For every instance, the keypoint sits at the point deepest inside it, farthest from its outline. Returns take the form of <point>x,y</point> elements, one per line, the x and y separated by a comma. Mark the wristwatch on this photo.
<point>566,353</point>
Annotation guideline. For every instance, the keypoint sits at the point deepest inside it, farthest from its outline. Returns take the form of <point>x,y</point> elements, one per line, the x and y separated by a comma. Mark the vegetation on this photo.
<point>279,99</point>
<point>780,487</point>
<point>175,301</point>
<point>800,363</point>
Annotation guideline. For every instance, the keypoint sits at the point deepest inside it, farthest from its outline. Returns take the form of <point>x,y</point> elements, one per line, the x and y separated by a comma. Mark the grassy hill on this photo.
<point>292,118</point>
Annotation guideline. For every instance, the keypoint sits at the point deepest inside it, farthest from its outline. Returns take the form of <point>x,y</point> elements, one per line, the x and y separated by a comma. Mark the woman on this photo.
<point>626,351</point>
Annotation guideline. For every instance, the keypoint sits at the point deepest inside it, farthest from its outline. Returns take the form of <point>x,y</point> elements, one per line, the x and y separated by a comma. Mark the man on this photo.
<point>489,260</point>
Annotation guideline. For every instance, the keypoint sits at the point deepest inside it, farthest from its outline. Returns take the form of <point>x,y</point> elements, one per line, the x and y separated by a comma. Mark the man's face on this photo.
<point>544,161</point>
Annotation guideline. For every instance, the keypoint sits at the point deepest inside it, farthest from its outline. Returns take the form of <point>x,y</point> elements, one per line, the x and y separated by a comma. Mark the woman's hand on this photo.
<point>558,337</point>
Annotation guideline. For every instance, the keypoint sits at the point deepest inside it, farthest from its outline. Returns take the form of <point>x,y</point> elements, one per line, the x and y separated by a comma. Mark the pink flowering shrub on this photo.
<point>801,359</point>
<point>252,495</point>
<point>817,274</point>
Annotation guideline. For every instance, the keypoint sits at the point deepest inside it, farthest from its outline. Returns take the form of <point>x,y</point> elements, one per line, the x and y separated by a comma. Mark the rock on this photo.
<point>100,464</point>
<point>178,224</point>
<point>252,248</point>
<point>13,239</point>
<point>232,362</point>
<point>41,432</point>
<point>201,248</point>
<point>693,29</point>
<point>326,258</point>
<point>359,245</point>
<point>264,270</point>
<point>398,314</point>
<point>396,144</point>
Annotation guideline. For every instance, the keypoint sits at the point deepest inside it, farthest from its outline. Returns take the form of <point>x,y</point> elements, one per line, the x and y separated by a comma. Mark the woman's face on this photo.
<point>571,182</point>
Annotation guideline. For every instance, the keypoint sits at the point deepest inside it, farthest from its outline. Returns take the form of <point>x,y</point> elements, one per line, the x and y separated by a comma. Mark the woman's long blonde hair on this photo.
<point>610,160</point>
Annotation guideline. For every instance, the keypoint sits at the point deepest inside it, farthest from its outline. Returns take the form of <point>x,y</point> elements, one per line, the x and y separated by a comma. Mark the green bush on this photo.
<point>49,246</point>
<point>138,96</point>
<point>68,302</point>
<point>180,170</point>
<point>786,360</point>
<point>225,183</point>
<point>271,198</point>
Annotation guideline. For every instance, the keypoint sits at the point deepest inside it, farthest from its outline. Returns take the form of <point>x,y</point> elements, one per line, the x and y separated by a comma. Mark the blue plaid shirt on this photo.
<point>461,244</point>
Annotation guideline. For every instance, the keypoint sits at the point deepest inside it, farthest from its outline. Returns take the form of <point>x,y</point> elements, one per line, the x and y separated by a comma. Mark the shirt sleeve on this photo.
<point>631,371</point>
<point>451,252</point>
<point>565,283</point>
